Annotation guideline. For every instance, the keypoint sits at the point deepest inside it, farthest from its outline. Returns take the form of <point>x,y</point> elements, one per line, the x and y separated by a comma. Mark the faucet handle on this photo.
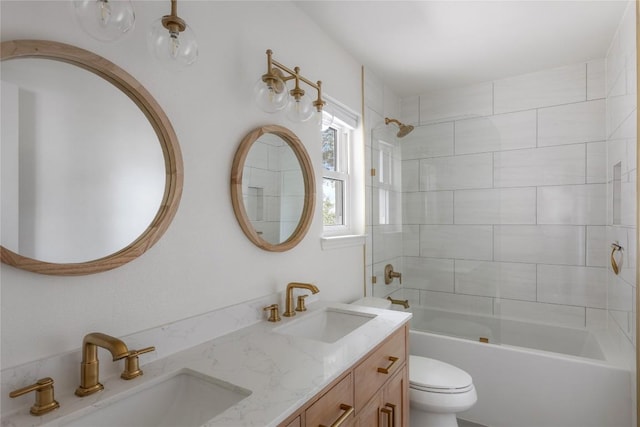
<point>274,315</point>
<point>301,306</point>
<point>131,363</point>
<point>45,401</point>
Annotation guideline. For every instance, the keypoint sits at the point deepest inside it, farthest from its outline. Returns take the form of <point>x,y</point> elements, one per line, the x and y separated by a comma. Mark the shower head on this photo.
<point>404,129</point>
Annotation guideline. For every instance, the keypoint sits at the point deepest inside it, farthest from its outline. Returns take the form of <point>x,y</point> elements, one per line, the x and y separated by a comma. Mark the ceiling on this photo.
<point>420,46</point>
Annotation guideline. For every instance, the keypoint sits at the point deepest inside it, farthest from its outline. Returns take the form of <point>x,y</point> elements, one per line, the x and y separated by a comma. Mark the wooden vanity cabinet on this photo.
<point>372,393</point>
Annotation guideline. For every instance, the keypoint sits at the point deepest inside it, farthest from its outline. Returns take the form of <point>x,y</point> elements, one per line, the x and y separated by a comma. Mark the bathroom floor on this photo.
<point>464,423</point>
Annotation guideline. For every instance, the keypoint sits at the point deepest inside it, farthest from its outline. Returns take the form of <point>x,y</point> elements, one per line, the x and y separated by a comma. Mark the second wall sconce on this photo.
<point>272,93</point>
<point>172,41</point>
<point>105,20</point>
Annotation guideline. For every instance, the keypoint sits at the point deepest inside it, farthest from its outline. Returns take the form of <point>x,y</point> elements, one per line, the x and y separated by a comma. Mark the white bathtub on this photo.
<point>562,380</point>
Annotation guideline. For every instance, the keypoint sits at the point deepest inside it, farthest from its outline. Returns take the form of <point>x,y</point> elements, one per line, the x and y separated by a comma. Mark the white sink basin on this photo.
<point>327,325</point>
<point>185,399</point>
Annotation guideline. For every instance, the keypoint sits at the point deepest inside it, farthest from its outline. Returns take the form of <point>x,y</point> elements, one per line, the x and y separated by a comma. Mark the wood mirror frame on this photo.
<point>306,167</point>
<point>162,127</point>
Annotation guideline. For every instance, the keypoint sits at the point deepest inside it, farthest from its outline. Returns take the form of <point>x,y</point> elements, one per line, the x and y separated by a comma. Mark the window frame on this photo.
<point>347,162</point>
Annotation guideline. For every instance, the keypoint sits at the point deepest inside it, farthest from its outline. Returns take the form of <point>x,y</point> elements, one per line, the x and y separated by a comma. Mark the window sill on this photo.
<point>337,242</point>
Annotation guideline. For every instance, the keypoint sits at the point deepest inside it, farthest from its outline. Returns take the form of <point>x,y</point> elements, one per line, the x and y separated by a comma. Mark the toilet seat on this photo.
<point>435,376</point>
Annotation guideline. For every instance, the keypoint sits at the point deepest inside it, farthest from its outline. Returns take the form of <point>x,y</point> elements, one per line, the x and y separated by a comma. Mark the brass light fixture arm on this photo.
<point>275,68</point>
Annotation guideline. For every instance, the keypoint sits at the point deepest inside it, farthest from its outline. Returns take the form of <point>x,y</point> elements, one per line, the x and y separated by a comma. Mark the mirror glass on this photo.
<point>82,171</point>
<point>273,188</point>
<point>91,169</point>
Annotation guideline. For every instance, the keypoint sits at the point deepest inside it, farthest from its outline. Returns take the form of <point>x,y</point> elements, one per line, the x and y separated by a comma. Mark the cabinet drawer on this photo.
<point>333,405</point>
<point>377,368</point>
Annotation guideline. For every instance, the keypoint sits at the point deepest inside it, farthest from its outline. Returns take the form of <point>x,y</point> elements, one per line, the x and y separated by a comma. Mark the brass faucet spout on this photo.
<point>289,312</point>
<point>116,347</point>
<point>89,368</point>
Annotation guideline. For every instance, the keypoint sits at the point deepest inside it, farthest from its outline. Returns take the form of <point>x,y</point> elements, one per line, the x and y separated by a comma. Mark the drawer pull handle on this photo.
<point>389,413</point>
<point>386,370</point>
<point>393,414</point>
<point>348,410</point>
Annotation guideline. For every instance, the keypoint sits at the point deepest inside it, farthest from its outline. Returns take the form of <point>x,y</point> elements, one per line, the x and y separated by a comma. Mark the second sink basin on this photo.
<point>328,325</point>
<point>186,399</point>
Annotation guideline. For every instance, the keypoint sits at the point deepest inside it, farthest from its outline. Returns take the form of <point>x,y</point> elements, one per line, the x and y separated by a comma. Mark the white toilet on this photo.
<point>437,390</point>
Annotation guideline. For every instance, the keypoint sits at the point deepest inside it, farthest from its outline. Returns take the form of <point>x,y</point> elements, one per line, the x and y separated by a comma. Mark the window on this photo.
<point>342,183</point>
<point>335,180</point>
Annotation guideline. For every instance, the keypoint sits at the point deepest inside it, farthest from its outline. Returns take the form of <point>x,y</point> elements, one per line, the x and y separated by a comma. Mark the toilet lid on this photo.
<point>434,375</point>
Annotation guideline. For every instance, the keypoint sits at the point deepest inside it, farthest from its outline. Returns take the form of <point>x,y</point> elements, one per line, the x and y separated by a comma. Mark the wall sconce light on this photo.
<point>272,93</point>
<point>172,41</point>
<point>105,20</point>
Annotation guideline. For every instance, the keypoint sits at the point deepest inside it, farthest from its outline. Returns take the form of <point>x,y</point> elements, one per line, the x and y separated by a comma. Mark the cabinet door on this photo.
<point>336,404</point>
<point>369,416</point>
<point>379,366</point>
<point>396,399</point>
<point>295,423</point>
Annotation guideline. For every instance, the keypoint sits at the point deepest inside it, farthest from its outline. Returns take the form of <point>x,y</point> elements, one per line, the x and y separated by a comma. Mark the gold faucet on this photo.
<point>89,368</point>
<point>289,312</point>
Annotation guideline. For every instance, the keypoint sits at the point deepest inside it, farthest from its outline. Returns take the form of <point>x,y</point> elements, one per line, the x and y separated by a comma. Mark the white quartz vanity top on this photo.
<point>282,372</point>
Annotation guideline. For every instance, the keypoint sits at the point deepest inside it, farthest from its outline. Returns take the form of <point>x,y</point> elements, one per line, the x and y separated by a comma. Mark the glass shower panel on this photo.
<point>385,211</point>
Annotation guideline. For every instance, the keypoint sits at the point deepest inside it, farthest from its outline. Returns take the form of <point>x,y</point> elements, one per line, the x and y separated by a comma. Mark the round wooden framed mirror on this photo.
<point>122,204</point>
<point>273,188</point>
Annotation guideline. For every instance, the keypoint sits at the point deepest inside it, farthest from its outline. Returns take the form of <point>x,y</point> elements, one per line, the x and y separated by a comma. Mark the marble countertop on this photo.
<point>281,371</point>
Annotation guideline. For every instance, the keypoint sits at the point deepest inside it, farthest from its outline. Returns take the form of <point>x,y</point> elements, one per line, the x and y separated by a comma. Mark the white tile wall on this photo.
<point>597,248</point>
<point>456,302</point>
<point>428,274</point>
<point>508,182</point>
<point>541,244</point>
<point>456,241</point>
<point>541,89</point>
<point>430,207</point>
<point>621,124</point>
<point>495,206</point>
<point>559,165</point>
<point>468,101</point>
<point>573,204</point>
<point>411,240</point>
<point>455,173</point>
<point>496,133</point>
<point>596,87</point>
<point>596,167</point>
<point>556,314</point>
<point>570,285</point>
<point>410,175</point>
<point>496,279</point>
<point>505,193</point>
<point>572,123</point>
<point>428,141</point>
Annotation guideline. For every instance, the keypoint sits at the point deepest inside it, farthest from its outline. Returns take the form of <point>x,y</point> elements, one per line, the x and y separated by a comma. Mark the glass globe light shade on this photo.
<point>175,50</point>
<point>301,109</point>
<point>268,98</point>
<point>105,20</point>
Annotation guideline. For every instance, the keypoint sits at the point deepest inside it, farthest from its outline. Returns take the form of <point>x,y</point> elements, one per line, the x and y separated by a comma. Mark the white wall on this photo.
<point>621,149</point>
<point>504,196</point>
<point>204,261</point>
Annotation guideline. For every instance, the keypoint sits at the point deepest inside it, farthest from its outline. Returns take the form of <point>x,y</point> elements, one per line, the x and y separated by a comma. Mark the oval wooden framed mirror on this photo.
<point>167,176</point>
<point>273,188</point>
